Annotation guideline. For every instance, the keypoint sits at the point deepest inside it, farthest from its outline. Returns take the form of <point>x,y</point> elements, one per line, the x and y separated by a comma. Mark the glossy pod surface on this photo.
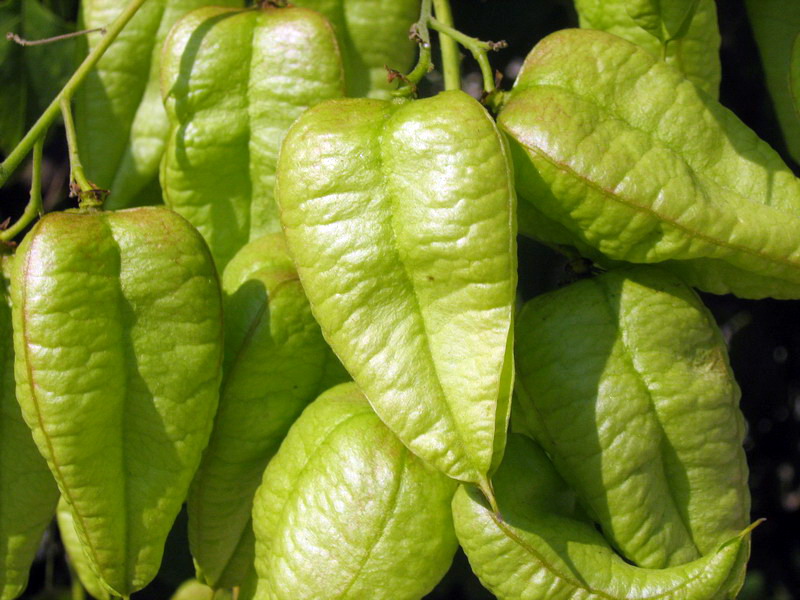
<point>400,218</point>
<point>619,155</point>
<point>346,512</point>
<point>121,123</point>
<point>543,547</point>
<point>624,380</point>
<point>276,363</point>
<point>118,342</point>
<point>219,166</point>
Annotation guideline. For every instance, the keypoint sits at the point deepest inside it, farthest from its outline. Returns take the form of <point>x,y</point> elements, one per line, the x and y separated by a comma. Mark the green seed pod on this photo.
<point>542,546</point>
<point>121,123</point>
<point>229,105</point>
<point>28,494</point>
<point>276,363</point>
<point>624,380</point>
<point>401,220</point>
<point>619,155</point>
<point>689,25</point>
<point>345,511</point>
<point>373,35</point>
<point>118,342</point>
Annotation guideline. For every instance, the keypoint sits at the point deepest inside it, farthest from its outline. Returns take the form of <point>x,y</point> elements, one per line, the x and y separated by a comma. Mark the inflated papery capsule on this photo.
<point>118,340</point>
<point>619,155</point>
<point>683,33</point>
<point>121,123</point>
<point>543,547</point>
<point>401,221</point>
<point>373,36</point>
<point>28,493</point>
<point>276,362</point>
<point>345,511</point>
<point>232,82</point>
<point>624,380</point>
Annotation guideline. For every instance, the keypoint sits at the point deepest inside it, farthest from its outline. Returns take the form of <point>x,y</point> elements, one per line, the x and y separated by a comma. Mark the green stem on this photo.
<point>18,154</point>
<point>34,207</point>
<point>451,59</point>
<point>479,49</point>
<point>76,173</point>
<point>449,39</point>
<point>420,70</point>
<point>423,38</point>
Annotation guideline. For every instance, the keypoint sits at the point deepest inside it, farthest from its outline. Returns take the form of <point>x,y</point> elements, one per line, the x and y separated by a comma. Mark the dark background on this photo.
<point>763,336</point>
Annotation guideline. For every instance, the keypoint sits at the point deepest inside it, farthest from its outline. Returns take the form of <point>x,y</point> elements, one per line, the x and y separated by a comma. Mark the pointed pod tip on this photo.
<point>744,533</point>
<point>749,529</point>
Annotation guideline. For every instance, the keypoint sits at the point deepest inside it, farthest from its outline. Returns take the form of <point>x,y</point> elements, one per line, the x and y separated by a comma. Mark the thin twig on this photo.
<point>477,48</point>
<point>56,38</point>
<point>419,34</point>
<point>34,207</point>
<point>448,39</point>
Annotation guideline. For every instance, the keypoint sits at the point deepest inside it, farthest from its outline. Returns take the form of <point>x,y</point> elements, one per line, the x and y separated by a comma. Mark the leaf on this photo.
<point>624,381</point>
<point>775,25</point>
<point>119,117</point>
<point>542,547</point>
<point>219,166</point>
<point>118,342</point>
<point>28,494</point>
<point>346,512</point>
<point>276,363</point>
<point>78,560</point>
<point>620,156</point>
<point>400,218</point>
<point>694,42</point>
<point>373,35</point>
